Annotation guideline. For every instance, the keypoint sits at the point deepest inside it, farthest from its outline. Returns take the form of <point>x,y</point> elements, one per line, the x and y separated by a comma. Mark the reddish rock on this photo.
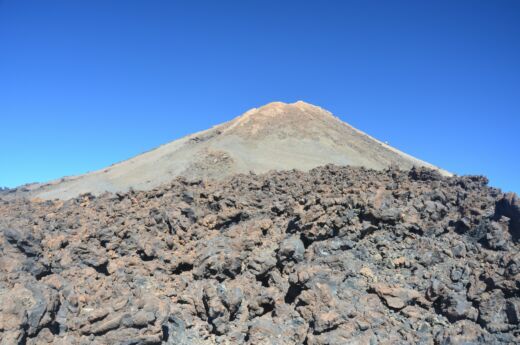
<point>331,256</point>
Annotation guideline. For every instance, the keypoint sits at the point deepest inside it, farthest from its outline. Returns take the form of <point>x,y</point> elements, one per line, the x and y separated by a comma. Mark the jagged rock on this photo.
<point>509,206</point>
<point>513,311</point>
<point>219,259</point>
<point>291,249</point>
<point>262,262</point>
<point>462,332</point>
<point>456,307</point>
<point>264,331</point>
<point>493,314</point>
<point>498,236</point>
<point>396,297</point>
<point>331,256</point>
<point>25,310</point>
<point>217,314</point>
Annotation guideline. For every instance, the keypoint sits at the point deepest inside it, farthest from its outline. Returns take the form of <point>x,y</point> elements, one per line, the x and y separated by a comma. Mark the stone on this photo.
<point>142,318</point>
<point>335,255</point>
<point>291,248</point>
<point>509,206</point>
<point>396,297</point>
<point>513,311</point>
<point>261,263</point>
<point>498,236</point>
<point>493,313</point>
<point>456,307</point>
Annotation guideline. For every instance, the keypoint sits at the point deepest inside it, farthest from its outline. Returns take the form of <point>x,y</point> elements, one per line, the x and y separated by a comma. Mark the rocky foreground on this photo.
<point>332,256</point>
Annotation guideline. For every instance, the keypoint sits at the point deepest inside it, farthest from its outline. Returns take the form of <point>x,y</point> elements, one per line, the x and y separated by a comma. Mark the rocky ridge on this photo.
<point>336,255</point>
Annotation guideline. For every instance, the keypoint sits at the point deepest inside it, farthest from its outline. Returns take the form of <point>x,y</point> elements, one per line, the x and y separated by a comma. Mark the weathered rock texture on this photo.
<point>332,256</point>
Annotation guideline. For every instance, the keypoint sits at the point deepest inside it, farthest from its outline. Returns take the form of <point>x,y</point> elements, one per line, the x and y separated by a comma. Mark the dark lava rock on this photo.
<point>509,206</point>
<point>337,255</point>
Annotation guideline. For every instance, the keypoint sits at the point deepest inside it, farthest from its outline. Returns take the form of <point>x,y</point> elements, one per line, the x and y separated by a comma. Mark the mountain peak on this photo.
<point>278,108</point>
<point>275,118</point>
<point>281,117</point>
<point>276,136</point>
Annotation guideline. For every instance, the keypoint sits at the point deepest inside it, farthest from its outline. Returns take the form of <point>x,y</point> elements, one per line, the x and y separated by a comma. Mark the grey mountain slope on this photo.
<point>277,136</point>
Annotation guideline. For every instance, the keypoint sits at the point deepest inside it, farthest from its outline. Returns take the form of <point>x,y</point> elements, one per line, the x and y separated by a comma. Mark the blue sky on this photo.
<point>84,84</point>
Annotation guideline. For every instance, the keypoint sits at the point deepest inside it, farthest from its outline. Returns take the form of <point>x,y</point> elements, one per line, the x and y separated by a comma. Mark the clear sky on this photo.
<point>87,83</point>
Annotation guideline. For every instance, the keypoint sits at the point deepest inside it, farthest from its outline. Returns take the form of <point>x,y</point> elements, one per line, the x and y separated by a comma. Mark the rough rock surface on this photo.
<point>331,256</point>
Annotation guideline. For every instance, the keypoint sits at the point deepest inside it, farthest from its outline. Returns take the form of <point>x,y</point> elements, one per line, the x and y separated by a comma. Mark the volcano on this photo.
<point>277,136</point>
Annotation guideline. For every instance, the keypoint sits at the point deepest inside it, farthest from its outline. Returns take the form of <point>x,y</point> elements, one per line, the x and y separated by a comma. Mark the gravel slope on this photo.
<point>277,136</point>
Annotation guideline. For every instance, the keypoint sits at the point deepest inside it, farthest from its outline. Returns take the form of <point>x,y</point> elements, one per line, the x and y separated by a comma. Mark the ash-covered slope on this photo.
<point>332,256</point>
<point>277,136</point>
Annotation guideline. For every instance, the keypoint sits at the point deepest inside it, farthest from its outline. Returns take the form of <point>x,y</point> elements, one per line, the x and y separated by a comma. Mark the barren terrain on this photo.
<point>336,255</point>
<point>277,136</point>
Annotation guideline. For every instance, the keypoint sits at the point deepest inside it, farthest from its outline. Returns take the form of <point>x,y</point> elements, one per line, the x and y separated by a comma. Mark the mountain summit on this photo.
<point>277,136</point>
